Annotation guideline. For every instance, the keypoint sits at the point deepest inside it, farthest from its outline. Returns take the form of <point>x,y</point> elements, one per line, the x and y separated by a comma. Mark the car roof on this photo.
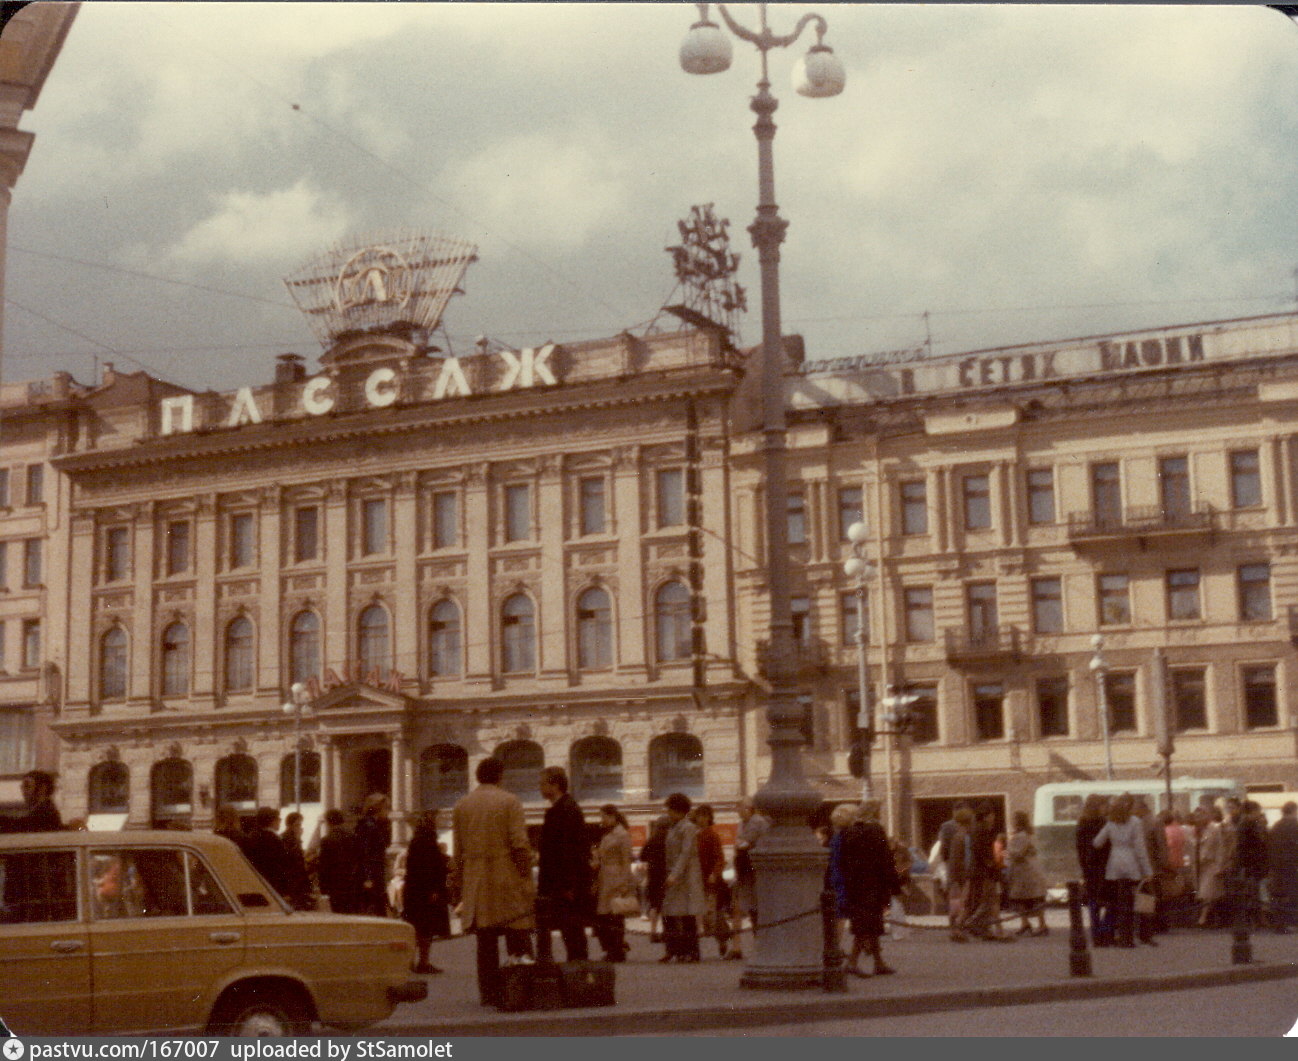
<point>116,837</point>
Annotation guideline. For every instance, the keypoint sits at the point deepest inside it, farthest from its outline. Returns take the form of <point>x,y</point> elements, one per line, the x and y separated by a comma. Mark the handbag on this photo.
<point>624,906</point>
<point>1146,900</point>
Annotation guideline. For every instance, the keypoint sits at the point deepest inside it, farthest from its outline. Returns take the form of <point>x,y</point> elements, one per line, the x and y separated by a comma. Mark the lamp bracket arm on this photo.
<point>766,40</point>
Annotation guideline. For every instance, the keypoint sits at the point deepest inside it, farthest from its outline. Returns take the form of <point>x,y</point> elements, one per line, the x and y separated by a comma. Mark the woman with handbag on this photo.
<point>1127,867</point>
<point>615,893</point>
<point>1026,883</point>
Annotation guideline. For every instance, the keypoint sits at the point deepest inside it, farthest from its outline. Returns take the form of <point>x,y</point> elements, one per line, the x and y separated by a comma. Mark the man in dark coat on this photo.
<point>298,882</point>
<point>424,899</point>
<point>373,837</point>
<point>984,876</point>
<point>1251,859</point>
<point>265,850</point>
<point>563,888</point>
<point>40,816</point>
<point>336,869</point>
<point>1282,853</point>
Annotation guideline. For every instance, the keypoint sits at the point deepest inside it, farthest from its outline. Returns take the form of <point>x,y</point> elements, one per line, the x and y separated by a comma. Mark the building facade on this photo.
<point>1020,502</point>
<point>453,558</point>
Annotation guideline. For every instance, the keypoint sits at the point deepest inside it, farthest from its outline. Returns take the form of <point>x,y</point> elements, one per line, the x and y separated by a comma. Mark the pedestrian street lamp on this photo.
<point>1100,668</point>
<point>789,862</point>
<point>858,567</point>
<point>301,702</point>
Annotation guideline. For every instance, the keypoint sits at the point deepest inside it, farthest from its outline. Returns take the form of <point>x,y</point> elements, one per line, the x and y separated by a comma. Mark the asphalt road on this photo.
<point>1266,1009</point>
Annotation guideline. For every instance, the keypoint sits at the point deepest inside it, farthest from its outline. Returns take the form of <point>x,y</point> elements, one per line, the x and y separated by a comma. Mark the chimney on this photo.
<point>289,368</point>
<point>109,376</point>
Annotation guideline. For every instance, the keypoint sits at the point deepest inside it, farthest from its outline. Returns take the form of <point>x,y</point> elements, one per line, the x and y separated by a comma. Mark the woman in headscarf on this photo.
<point>869,882</point>
<point>424,898</point>
<point>614,886</point>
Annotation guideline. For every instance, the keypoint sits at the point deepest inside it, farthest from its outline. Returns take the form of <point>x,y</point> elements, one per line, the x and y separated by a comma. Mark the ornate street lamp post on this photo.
<point>295,707</point>
<point>858,567</point>
<point>789,863</point>
<point>1100,668</point>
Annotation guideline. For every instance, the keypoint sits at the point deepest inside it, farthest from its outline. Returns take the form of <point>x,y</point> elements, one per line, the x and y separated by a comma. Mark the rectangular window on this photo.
<point>1189,698</point>
<point>518,512</point>
<point>849,610</point>
<point>919,613</point>
<point>989,711</point>
<point>306,533</point>
<point>3,658</point>
<point>807,726</point>
<point>1255,592</point>
<point>31,643</point>
<point>914,507</point>
<point>1106,494</point>
<point>795,507</point>
<point>446,519</point>
<point>592,505</point>
<point>670,486</point>
<point>177,546</point>
<point>1183,595</point>
<point>4,487</point>
<point>117,554</point>
<point>1052,706</point>
<point>41,887</point>
<point>35,484</point>
<point>800,610</point>
<point>241,541</point>
<point>1120,692</point>
<point>1245,479</point>
<point>32,562</point>
<point>4,565</point>
<point>977,502</point>
<point>374,526</point>
<point>17,741</point>
<point>980,603</point>
<point>851,509</point>
<point>1114,594</point>
<point>1041,496</point>
<point>1260,709</point>
<point>1174,487</point>
<point>1047,606</point>
<point>923,714</point>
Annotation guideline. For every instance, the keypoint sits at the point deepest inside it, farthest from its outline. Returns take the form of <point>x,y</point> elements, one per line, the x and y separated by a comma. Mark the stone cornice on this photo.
<point>403,420</point>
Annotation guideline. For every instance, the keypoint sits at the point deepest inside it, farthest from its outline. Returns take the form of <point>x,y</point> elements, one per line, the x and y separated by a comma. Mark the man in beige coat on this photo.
<point>494,861</point>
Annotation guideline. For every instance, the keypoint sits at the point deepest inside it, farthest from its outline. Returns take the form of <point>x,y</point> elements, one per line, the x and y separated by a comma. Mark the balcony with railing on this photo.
<point>998,646</point>
<point>811,657</point>
<point>1142,523</point>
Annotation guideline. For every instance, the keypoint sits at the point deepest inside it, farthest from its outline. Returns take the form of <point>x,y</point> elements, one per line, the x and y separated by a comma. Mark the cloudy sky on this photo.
<point>1021,173</point>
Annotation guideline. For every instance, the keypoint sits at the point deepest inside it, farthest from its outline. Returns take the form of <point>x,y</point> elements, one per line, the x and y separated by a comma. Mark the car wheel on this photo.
<point>279,1015</point>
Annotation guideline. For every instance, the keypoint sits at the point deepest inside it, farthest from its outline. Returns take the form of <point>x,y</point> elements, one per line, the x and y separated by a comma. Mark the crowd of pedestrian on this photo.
<point>1141,871</point>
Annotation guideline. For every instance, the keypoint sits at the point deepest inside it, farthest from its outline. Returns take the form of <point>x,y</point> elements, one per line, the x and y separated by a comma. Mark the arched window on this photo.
<point>372,643</point>
<point>443,775</point>
<point>523,761</point>
<point>594,630</point>
<point>108,789</point>
<point>517,635</point>
<point>171,785</point>
<point>238,656</point>
<point>175,660</point>
<point>444,639</point>
<point>112,665</point>
<point>675,765</point>
<point>672,622</point>
<point>236,782</point>
<point>596,764</point>
<point>304,646</point>
<point>310,779</point>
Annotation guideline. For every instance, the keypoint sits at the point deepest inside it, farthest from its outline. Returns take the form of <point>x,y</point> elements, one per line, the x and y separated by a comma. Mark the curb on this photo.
<point>648,1020</point>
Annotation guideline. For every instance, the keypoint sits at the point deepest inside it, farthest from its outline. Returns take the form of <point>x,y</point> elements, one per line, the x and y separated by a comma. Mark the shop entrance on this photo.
<point>364,771</point>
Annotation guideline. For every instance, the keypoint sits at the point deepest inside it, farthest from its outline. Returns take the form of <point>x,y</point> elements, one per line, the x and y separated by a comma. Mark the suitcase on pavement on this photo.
<point>529,987</point>
<point>587,983</point>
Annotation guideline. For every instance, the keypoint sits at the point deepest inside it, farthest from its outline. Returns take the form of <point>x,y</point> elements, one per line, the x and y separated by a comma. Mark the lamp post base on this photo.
<point>789,865</point>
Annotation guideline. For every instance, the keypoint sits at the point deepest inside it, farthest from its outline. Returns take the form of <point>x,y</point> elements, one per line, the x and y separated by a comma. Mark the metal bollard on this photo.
<point>834,978</point>
<point>1241,948</point>
<point>1079,952</point>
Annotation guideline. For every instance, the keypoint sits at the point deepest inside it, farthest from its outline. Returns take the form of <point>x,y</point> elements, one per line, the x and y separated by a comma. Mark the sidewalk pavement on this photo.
<point>933,974</point>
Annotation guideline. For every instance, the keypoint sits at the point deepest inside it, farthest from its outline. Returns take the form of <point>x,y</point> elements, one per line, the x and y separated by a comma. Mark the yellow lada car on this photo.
<point>167,932</point>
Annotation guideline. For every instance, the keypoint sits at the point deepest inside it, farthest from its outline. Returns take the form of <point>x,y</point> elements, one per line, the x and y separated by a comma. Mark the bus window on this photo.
<point>1067,807</point>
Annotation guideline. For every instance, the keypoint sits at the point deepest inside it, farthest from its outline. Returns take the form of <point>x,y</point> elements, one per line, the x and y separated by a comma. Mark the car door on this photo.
<point>162,935</point>
<point>44,946</point>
